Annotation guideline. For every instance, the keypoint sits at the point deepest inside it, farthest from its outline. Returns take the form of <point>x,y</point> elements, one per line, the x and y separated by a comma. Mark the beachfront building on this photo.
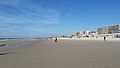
<point>93,34</point>
<point>77,34</point>
<point>109,29</point>
<point>112,31</point>
<point>85,34</point>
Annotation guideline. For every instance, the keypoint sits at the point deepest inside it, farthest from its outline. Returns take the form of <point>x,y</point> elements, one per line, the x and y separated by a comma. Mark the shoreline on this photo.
<point>12,44</point>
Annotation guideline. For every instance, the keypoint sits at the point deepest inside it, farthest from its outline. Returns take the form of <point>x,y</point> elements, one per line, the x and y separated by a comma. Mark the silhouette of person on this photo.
<point>104,38</point>
<point>56,40</point>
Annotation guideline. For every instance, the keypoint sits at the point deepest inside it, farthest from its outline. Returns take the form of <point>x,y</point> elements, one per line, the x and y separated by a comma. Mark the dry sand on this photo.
<point>63,54</point>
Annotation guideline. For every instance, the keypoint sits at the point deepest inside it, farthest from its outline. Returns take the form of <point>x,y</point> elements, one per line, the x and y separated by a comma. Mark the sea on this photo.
<point>6,39</point>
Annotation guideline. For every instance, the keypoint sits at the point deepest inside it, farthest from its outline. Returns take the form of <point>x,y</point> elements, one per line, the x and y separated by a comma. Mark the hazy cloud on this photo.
<point>30,12</point>
<point>26,12</point>
<point>9,2</point>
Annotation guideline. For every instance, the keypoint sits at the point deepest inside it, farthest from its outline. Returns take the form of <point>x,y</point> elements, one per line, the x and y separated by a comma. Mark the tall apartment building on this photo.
<point>109,29</point>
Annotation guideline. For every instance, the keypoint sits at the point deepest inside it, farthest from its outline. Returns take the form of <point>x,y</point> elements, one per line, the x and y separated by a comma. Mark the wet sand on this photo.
<point>63,54</point>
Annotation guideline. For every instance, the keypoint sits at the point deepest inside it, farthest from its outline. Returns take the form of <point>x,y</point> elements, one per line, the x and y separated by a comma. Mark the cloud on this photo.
<point>29,12</point>
<point>27,20</point>
<point>26,15</point>
<point>9,2</point>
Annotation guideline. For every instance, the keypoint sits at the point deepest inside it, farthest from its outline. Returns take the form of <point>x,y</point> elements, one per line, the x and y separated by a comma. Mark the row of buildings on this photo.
<point>85,34</point>
<point>108,31</point>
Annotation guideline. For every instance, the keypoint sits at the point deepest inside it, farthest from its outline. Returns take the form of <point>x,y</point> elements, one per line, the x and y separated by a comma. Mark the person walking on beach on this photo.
<point>104,38</point>
<point>56,40</point>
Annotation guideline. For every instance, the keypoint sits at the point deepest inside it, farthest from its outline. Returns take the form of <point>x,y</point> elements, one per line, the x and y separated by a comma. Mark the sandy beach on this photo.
<point>63,54</point>
<point>100,38</point>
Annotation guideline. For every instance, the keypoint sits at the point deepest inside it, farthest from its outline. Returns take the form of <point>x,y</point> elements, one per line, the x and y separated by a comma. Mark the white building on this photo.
<point>85,34</point>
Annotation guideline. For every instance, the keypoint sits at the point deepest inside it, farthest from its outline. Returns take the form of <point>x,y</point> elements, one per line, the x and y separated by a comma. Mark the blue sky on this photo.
<point>42,18</point>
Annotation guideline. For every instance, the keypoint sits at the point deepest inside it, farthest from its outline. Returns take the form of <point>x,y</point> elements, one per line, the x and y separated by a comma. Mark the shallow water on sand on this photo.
<point>12,46</point>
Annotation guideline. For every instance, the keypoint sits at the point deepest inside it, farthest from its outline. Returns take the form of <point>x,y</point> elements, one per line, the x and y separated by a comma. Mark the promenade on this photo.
<point>63,54</point>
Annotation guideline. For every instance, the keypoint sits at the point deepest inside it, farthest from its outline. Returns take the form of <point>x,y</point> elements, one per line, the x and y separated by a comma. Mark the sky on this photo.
<point>44,18</point>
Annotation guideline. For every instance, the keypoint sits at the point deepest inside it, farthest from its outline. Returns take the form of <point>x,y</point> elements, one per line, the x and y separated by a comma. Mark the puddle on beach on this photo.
<point>12,46</point>
<point>3,54</point>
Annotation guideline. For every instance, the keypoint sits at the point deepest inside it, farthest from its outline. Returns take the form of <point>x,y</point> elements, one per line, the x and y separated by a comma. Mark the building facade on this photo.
<point>109,29</point>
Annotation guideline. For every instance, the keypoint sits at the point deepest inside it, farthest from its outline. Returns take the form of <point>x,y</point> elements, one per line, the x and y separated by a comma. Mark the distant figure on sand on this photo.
<point>104,38</point>
<point>56,40</point>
